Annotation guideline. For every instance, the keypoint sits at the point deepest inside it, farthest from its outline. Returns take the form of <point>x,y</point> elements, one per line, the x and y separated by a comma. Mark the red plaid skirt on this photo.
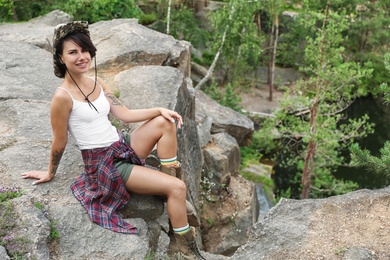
<point>101,190</point>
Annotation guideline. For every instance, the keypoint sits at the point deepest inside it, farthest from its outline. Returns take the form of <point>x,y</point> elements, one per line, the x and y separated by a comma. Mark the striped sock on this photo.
<point>182,230</point>
<point>171,162</point>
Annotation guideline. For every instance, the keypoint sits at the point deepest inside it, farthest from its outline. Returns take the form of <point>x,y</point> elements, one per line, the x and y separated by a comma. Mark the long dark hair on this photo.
<point>81,39</point>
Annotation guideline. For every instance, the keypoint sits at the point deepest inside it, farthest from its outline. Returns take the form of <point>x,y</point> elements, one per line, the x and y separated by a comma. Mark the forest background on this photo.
<point>341,48</point>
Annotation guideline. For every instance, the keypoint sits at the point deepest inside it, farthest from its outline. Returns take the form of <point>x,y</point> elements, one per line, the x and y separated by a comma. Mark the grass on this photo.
<point>16,246</point>
<point>54,233</point>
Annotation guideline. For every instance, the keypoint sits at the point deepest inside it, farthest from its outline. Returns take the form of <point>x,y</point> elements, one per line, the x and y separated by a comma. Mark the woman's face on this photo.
<point>76,59</point>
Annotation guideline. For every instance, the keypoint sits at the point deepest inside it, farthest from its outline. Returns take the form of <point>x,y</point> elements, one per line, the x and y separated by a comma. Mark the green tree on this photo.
<point>235,29</point>
<point>311,131</point>
<point>363,158</point>
<point>6,10</point>
<point>98,10</point>
<point>274,9</point>
<point>366,37</point>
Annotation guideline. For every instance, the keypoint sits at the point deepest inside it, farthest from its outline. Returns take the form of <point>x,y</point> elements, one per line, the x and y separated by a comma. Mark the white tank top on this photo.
<point>89,128</point>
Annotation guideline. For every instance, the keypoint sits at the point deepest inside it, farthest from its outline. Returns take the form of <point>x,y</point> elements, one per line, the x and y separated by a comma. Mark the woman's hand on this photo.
<point>171,116</point>
<point>41,176</point>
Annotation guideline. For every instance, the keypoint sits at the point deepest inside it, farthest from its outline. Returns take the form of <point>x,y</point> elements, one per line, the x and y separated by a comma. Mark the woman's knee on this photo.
<point>164,123</point>
<point>178,188</point>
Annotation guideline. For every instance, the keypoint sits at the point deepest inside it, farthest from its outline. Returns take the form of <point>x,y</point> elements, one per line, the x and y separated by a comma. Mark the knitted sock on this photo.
<point>171,162</point>
<point>182,230</point>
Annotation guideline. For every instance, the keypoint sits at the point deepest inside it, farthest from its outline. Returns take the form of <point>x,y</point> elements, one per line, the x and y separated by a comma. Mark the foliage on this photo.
<point>183,26</point>
<point>243,41</point>
<point>16,247</point>
<point>54,234</point>
<point>91,11</point>
<point>292,42</point>
<point>253,152</point>
<point>21,10</point>
<point>385,87</point>
<point>98,10</point>
<point>366,37</point>
<point>147,19</point>
<point>227,98</point>
<point>6,10</point>
<point>310,115</point>
<point>363,158</point>
<point>9,193</point>
<point>207,185</point>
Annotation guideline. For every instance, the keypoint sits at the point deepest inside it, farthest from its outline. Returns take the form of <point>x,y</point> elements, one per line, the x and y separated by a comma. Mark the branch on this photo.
<point>212,67</point>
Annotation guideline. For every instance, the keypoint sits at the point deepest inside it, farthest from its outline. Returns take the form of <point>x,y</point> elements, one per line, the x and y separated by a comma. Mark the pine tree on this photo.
<point>311,130</point>
<point>363,158</point>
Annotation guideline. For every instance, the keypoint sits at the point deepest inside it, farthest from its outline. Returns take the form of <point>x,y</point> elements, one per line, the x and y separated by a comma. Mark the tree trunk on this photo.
<point>169,15</point>
<point>199,5</point>
<point>271,62</point>
<point>311,152</point>
<point>275,29</point>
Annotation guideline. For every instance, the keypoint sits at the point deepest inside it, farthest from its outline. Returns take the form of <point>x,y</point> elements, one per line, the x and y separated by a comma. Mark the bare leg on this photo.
<point>158,131</point>
<point>146,181</point>
<point>143,180</point>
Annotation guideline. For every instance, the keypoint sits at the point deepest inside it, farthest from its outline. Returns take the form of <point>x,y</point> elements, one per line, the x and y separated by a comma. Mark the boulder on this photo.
<point>225,119</point>
<point>351,226</point>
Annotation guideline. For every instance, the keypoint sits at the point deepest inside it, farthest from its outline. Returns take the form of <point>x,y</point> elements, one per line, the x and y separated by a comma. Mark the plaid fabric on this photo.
<point>101,190</point>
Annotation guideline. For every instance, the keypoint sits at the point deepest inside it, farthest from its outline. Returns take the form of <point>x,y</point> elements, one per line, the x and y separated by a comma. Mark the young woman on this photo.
<point>114,161</point>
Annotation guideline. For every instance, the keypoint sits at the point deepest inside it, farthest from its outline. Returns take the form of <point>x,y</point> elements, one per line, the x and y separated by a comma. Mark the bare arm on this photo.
<point>138,115</point>
<point>59,115</point>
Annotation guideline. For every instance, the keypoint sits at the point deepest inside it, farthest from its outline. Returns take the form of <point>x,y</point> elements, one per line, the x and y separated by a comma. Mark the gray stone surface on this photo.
<point>225,119</point>
<point>351,226</point>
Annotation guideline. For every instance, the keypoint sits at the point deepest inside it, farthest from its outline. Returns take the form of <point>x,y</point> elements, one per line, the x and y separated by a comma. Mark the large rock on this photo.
<point>38,31</point>
<point>228,216</point>
<point>26,72</point>
<point>224,119</point>
<point>221,158</point>
<point>137,45</point>
<point>352,226</point>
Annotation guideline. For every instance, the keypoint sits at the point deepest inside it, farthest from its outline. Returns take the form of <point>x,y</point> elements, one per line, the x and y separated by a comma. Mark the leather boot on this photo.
<point>175,171</point>
<point>186,243</point>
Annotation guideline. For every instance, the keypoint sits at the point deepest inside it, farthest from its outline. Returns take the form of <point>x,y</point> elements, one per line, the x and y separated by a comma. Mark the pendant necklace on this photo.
<point>86,96</point>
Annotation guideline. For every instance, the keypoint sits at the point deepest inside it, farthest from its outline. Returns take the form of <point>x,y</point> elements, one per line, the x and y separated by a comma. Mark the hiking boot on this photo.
<point>175,171</point>
<point>187,246</point>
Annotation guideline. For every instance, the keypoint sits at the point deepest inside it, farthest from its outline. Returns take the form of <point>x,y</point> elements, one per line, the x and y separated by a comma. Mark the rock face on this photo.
<point>355,226</point>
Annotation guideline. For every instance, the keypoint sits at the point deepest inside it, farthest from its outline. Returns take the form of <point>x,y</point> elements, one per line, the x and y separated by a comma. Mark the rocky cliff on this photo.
<point>150,69</point>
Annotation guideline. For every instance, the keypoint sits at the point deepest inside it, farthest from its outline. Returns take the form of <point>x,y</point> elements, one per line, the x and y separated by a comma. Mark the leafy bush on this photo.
<point>98,10</point>
<point>227,98</point>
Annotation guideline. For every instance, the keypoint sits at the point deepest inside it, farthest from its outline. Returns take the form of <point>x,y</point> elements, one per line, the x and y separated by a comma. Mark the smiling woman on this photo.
<point>113,160</point>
